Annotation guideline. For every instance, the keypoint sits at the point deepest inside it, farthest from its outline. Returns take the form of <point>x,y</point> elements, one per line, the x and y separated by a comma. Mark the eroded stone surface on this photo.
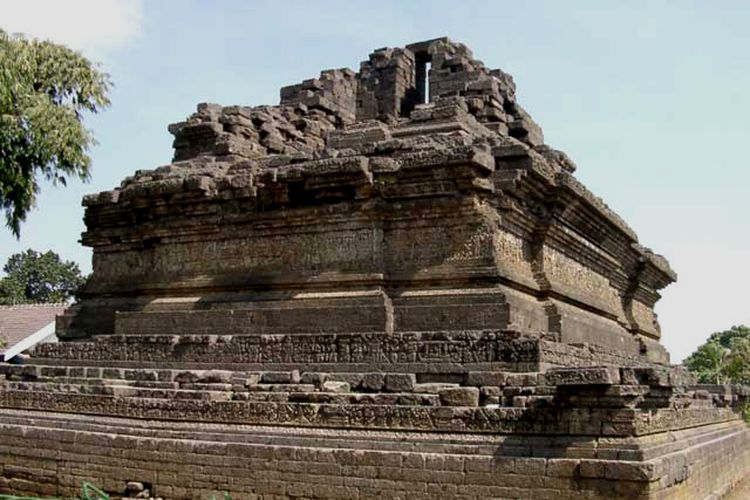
<point>366,291</point>
<point>360,204</point>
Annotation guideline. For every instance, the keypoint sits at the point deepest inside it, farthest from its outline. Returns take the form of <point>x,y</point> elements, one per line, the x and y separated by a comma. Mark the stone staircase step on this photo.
<point>476,350</point>
<point>138,392</point>
<point>281,388</point>
<point>434,387</point>
<point>496,389</point>
<point>402,399</point>
<point>92,389</point>
<point>119,390</point>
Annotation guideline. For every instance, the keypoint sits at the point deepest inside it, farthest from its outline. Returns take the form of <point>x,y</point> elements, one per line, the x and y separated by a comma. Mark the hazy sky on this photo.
<point>650,99</point>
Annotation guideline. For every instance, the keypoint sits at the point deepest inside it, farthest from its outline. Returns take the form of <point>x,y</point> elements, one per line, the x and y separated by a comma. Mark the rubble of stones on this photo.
<point>328,125</point>
<point>309,111</point>
<point>344,113</point>
<point>591,387</point>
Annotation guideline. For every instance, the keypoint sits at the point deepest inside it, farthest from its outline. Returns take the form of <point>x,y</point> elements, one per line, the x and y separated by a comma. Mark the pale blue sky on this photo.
<point>650,99</point>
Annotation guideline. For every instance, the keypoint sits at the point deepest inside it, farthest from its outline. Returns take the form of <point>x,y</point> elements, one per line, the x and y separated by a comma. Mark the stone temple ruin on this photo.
<point>386,286</point>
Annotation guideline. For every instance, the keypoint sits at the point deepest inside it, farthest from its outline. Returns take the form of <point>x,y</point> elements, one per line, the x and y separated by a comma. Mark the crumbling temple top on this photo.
<point>413,195</point>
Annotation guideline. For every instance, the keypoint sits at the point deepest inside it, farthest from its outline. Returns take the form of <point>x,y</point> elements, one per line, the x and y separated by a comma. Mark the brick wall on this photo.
<point>53,454</point>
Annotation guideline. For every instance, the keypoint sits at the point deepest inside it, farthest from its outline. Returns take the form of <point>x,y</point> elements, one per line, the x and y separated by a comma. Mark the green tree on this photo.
<point>33,277</point>
<point>738,364</point>
<point>723,358</point>
<point>44,90</point>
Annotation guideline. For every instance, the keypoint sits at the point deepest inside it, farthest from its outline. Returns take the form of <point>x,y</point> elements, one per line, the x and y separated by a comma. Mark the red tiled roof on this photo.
<point>18,322</point>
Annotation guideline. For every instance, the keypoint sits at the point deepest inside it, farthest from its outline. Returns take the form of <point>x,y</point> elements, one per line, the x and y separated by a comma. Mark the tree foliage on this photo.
<point>44,90</point>
<point>723,358</point>
<point>33,277</point>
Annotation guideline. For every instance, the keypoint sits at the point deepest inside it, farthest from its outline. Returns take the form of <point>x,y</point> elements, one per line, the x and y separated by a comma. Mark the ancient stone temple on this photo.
<point>385,286</point>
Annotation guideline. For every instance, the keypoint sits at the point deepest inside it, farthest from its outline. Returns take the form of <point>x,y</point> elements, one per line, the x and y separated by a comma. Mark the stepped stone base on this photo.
<point>54,453</point>
<point>476,414</point>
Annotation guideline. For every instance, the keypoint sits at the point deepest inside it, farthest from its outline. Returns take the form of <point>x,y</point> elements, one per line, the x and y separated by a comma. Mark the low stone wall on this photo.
<point>341,415</point>
<point>417,352</point>
<point>53,454</point>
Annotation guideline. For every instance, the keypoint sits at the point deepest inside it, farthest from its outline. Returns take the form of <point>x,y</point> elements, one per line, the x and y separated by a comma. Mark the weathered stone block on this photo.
<point>335,386</point>
<point>521,379</point>
<point>460,396</point>
<point>399,382</point>
<point>601,375</point>
<point>215,376</point>
<point>644,471</point>
<point>290,377</point>
<point>353,379</point>
<point>433,387</point>
<point>314,378</point>
<point>479,379</point>
<point>562,467</point>
<point>592,469</point>
<point>372,381</point>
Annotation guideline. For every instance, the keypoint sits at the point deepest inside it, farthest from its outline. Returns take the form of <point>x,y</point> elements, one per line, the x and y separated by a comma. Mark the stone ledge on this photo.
<point>55,451</point>
<point>552,421</point>
<point>600,375</point>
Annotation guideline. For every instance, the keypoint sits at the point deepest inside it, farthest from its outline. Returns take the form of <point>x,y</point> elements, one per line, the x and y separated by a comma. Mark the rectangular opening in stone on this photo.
<point>426,96</point>
<point>422,65</point>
